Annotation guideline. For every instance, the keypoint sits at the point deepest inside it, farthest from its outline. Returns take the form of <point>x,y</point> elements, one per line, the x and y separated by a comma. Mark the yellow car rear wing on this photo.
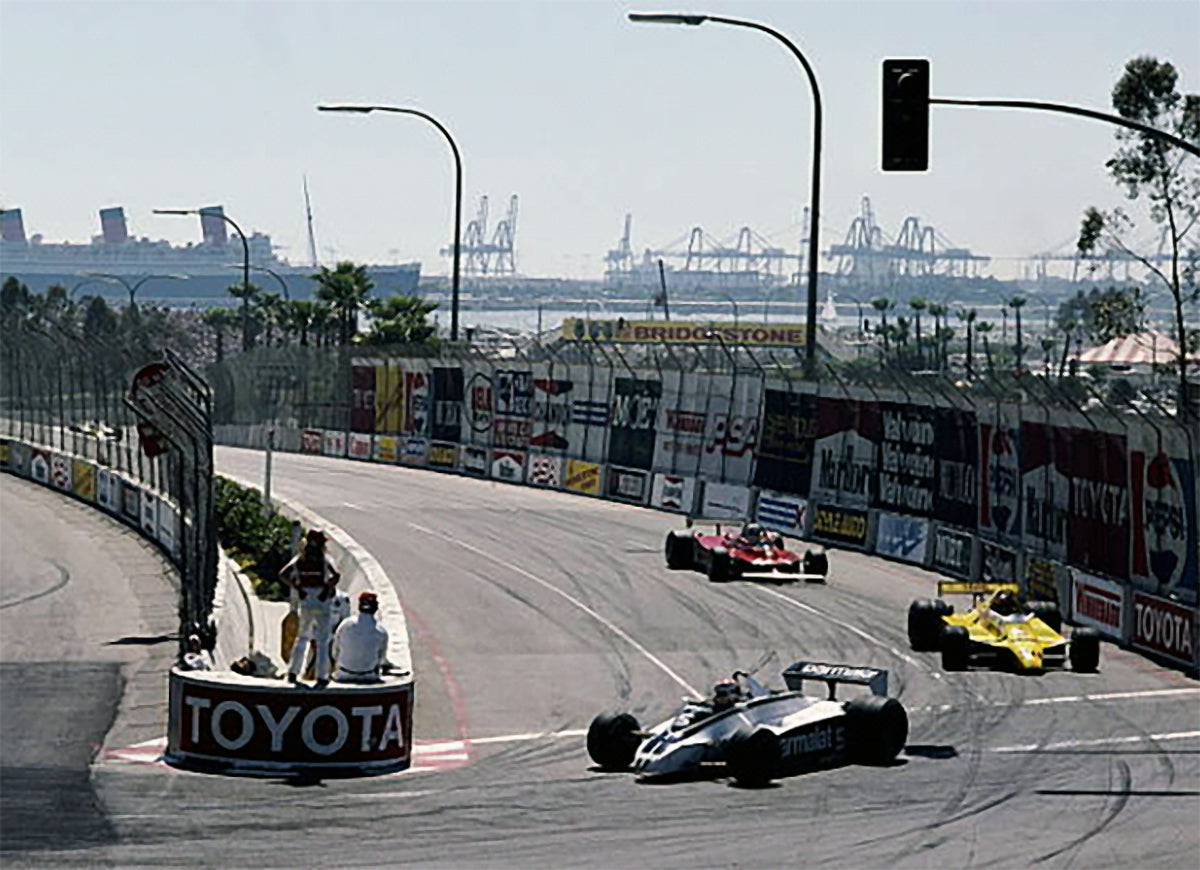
<point>974,587</point>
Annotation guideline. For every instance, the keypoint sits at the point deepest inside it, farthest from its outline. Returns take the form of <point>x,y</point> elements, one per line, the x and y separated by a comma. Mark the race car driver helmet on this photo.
<point>1005,604</point>
<point>752,532</point>
<point>725,694</point>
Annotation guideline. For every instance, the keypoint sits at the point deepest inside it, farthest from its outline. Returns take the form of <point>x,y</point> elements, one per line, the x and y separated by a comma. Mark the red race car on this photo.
<point>751,551</point>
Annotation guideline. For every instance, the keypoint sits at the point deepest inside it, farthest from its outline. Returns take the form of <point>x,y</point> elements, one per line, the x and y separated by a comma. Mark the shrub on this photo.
<point>260,542</point>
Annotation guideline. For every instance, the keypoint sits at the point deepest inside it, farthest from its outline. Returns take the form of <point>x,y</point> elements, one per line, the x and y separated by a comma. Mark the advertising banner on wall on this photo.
<point>682,422</point>
<point>414,450</point>
<point>720,500</point>
<point>1047,580</point>
<point>473,459</point>
<point>131,501</point>
<point>359,446</point>
<point>907,469</point>
<point>149,515</point>
<point>785,450</point>
<point>954,552</point>
<point>902,537</point>
<point>583,477</point>
<point>20,458</point>
<point>387,448</point>
<point>83,479</point>
<point>956,447</point>
<point>4,452</point>
<point>60,471</point>
<point>312,441</point>
<point>334,443</point>
<point>673,492</point>
<point>627,484</point>
<point>786,335</point>
<point>442,455</point>
<point>1163,525</point>
<point>1098,510</point>
<point>362,398</point>
<point>844,458</point>
<point>589,415</point>
<point>1165,627</point>
<point>105,490</point>
<point>1099,603</point>
<point>446,424</point>
<point>846,526</point>
<point>731,430</point>
<point>508,465</point>
<point>389,397</point>
<point>551,413</point>
<point>1045,488</point>
<point>416,400</point>
<point>545,470</point>
<point>1000,474</point>
<point>512,396</point>
<point>998,564</point>
<point>479,408</point>
<point>634,417</point>
<point>168,527</point>
<point>39,464</point>
<point>783,512</point>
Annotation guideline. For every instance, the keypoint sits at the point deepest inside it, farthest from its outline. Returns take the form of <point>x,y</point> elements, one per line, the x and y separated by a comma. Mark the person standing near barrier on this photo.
<point>360,644</point>
<point>314,579</point>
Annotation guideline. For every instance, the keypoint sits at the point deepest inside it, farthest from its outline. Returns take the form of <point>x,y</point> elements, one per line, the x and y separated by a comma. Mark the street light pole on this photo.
<point>366,110</point>
<point>245,263</point>
<point>810,333</point>
<point>286,295</point>
<point>131,289</point>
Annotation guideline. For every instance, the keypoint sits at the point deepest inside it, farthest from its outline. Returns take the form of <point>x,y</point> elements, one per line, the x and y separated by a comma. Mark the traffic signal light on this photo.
<point>905,115</point>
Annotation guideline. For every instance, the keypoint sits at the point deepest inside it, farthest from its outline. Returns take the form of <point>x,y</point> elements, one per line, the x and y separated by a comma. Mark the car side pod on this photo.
<point>956,648</point>
<point>613,739</point>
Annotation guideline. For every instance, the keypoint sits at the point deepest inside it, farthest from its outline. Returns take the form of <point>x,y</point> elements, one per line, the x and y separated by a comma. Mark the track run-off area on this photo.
<point>530,611</point>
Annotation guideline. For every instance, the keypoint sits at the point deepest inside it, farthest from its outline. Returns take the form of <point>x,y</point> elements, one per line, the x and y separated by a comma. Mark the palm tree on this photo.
<point>939,311</point>
<point>983,330</point>
<point>882,305</point>
<point>218,320</point>
<point>346,288</point>
<point>267,310</point>
<point>247,293</point>
<point>297,318</point>
<point>968,317</point>
<point>918,304</point>
<point>400,319</point>
<point>1017,303</point>
<point>322,323</point>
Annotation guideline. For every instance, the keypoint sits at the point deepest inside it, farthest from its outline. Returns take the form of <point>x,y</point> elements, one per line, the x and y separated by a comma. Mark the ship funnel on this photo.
<point>12,228</point>
<point>212,224</point>
<point>112,225</point>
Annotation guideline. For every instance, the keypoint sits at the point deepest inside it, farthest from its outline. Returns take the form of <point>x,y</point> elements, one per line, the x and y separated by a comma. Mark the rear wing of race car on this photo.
<point>874,678</point>
<point>715,521</point>
<point>974,587</point>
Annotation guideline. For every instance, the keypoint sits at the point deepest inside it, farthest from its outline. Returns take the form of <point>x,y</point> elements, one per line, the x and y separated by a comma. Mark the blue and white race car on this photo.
<point>755,734</point>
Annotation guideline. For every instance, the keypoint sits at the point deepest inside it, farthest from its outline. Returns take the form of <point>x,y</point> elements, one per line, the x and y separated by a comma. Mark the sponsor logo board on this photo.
<point>545,470</point>
<point>386,448</point>
<point>583,477</point>
<point>953,552</point>
<point>312,441</point>
<point>473,459</point>
<point>508,465</point>
<point>673,492</point>
<point>721,500</point>
<point>1164,627</point>
<point>1099,603</point>
<point>442,455</point>
<point>842,525</point>
<point>335,443</point>
<point>901,537</point>
<point>414,450</point>
<point>782,512</point>
<point>998,564</point>
<point>360,446</point>
<point>625,484</point>
<point>83,479</point>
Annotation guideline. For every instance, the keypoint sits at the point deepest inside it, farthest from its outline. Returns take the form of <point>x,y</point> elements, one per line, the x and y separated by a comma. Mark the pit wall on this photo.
<point>1095,511</point>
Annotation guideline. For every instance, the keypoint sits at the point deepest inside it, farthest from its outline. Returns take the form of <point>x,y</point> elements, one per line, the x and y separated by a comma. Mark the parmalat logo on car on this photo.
<point>825,739</point>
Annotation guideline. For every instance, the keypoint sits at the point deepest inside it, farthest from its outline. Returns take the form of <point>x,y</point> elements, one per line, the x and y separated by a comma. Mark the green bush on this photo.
<point>260,542</point>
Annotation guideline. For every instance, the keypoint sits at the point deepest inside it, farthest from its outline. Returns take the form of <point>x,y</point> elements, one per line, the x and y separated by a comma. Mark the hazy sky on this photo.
<point>582,114</point>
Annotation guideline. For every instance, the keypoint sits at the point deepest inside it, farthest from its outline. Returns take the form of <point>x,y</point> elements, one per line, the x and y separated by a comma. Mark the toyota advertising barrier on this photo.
<point>223,721</point>
<point>1166,628</point>
<point>1099,603</point>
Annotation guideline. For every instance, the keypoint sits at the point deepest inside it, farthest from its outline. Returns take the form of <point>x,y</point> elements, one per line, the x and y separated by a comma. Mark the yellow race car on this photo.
<point>1000,630</point>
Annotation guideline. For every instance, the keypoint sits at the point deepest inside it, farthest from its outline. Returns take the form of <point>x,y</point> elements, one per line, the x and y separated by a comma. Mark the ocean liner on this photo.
<point>198,273</point>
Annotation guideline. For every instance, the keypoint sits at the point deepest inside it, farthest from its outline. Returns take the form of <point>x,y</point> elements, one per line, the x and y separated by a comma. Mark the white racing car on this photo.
<point>755,734</point>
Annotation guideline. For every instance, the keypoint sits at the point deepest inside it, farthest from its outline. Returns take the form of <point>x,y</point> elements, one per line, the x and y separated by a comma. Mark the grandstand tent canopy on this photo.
<point>1141,348</point>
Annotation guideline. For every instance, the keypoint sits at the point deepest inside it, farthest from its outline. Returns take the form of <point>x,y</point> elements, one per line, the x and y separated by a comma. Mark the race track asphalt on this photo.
<point>531,611</point>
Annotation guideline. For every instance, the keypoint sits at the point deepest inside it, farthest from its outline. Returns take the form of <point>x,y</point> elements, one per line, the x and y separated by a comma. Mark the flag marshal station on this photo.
<point>683,332</point>
<point>225,722</point>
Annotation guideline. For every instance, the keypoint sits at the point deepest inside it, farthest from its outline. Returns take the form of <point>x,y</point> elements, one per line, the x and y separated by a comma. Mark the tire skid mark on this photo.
<point>1108,812</point>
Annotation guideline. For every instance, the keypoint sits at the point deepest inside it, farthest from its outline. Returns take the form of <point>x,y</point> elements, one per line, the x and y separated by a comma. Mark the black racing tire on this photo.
<point>752,758</point>
<point>956,651</point>
<point>720,566</point>
<point>924,625</point>
<point>878,729</point>
<point>816,564</point>
<point>613,739</point>
<point>1084,650</point>
<point>1047,612</point>
<point>681,555</point>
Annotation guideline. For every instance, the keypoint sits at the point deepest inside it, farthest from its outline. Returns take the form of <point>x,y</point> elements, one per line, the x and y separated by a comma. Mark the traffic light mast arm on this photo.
<point>1072,110</point>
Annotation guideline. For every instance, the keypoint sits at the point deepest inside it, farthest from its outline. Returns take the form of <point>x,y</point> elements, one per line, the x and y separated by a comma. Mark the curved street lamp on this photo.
<point>245,262</point>
<point>810,333</point>
<point>286,295</point>
<point>131,289</point>
<point>366,110</point>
